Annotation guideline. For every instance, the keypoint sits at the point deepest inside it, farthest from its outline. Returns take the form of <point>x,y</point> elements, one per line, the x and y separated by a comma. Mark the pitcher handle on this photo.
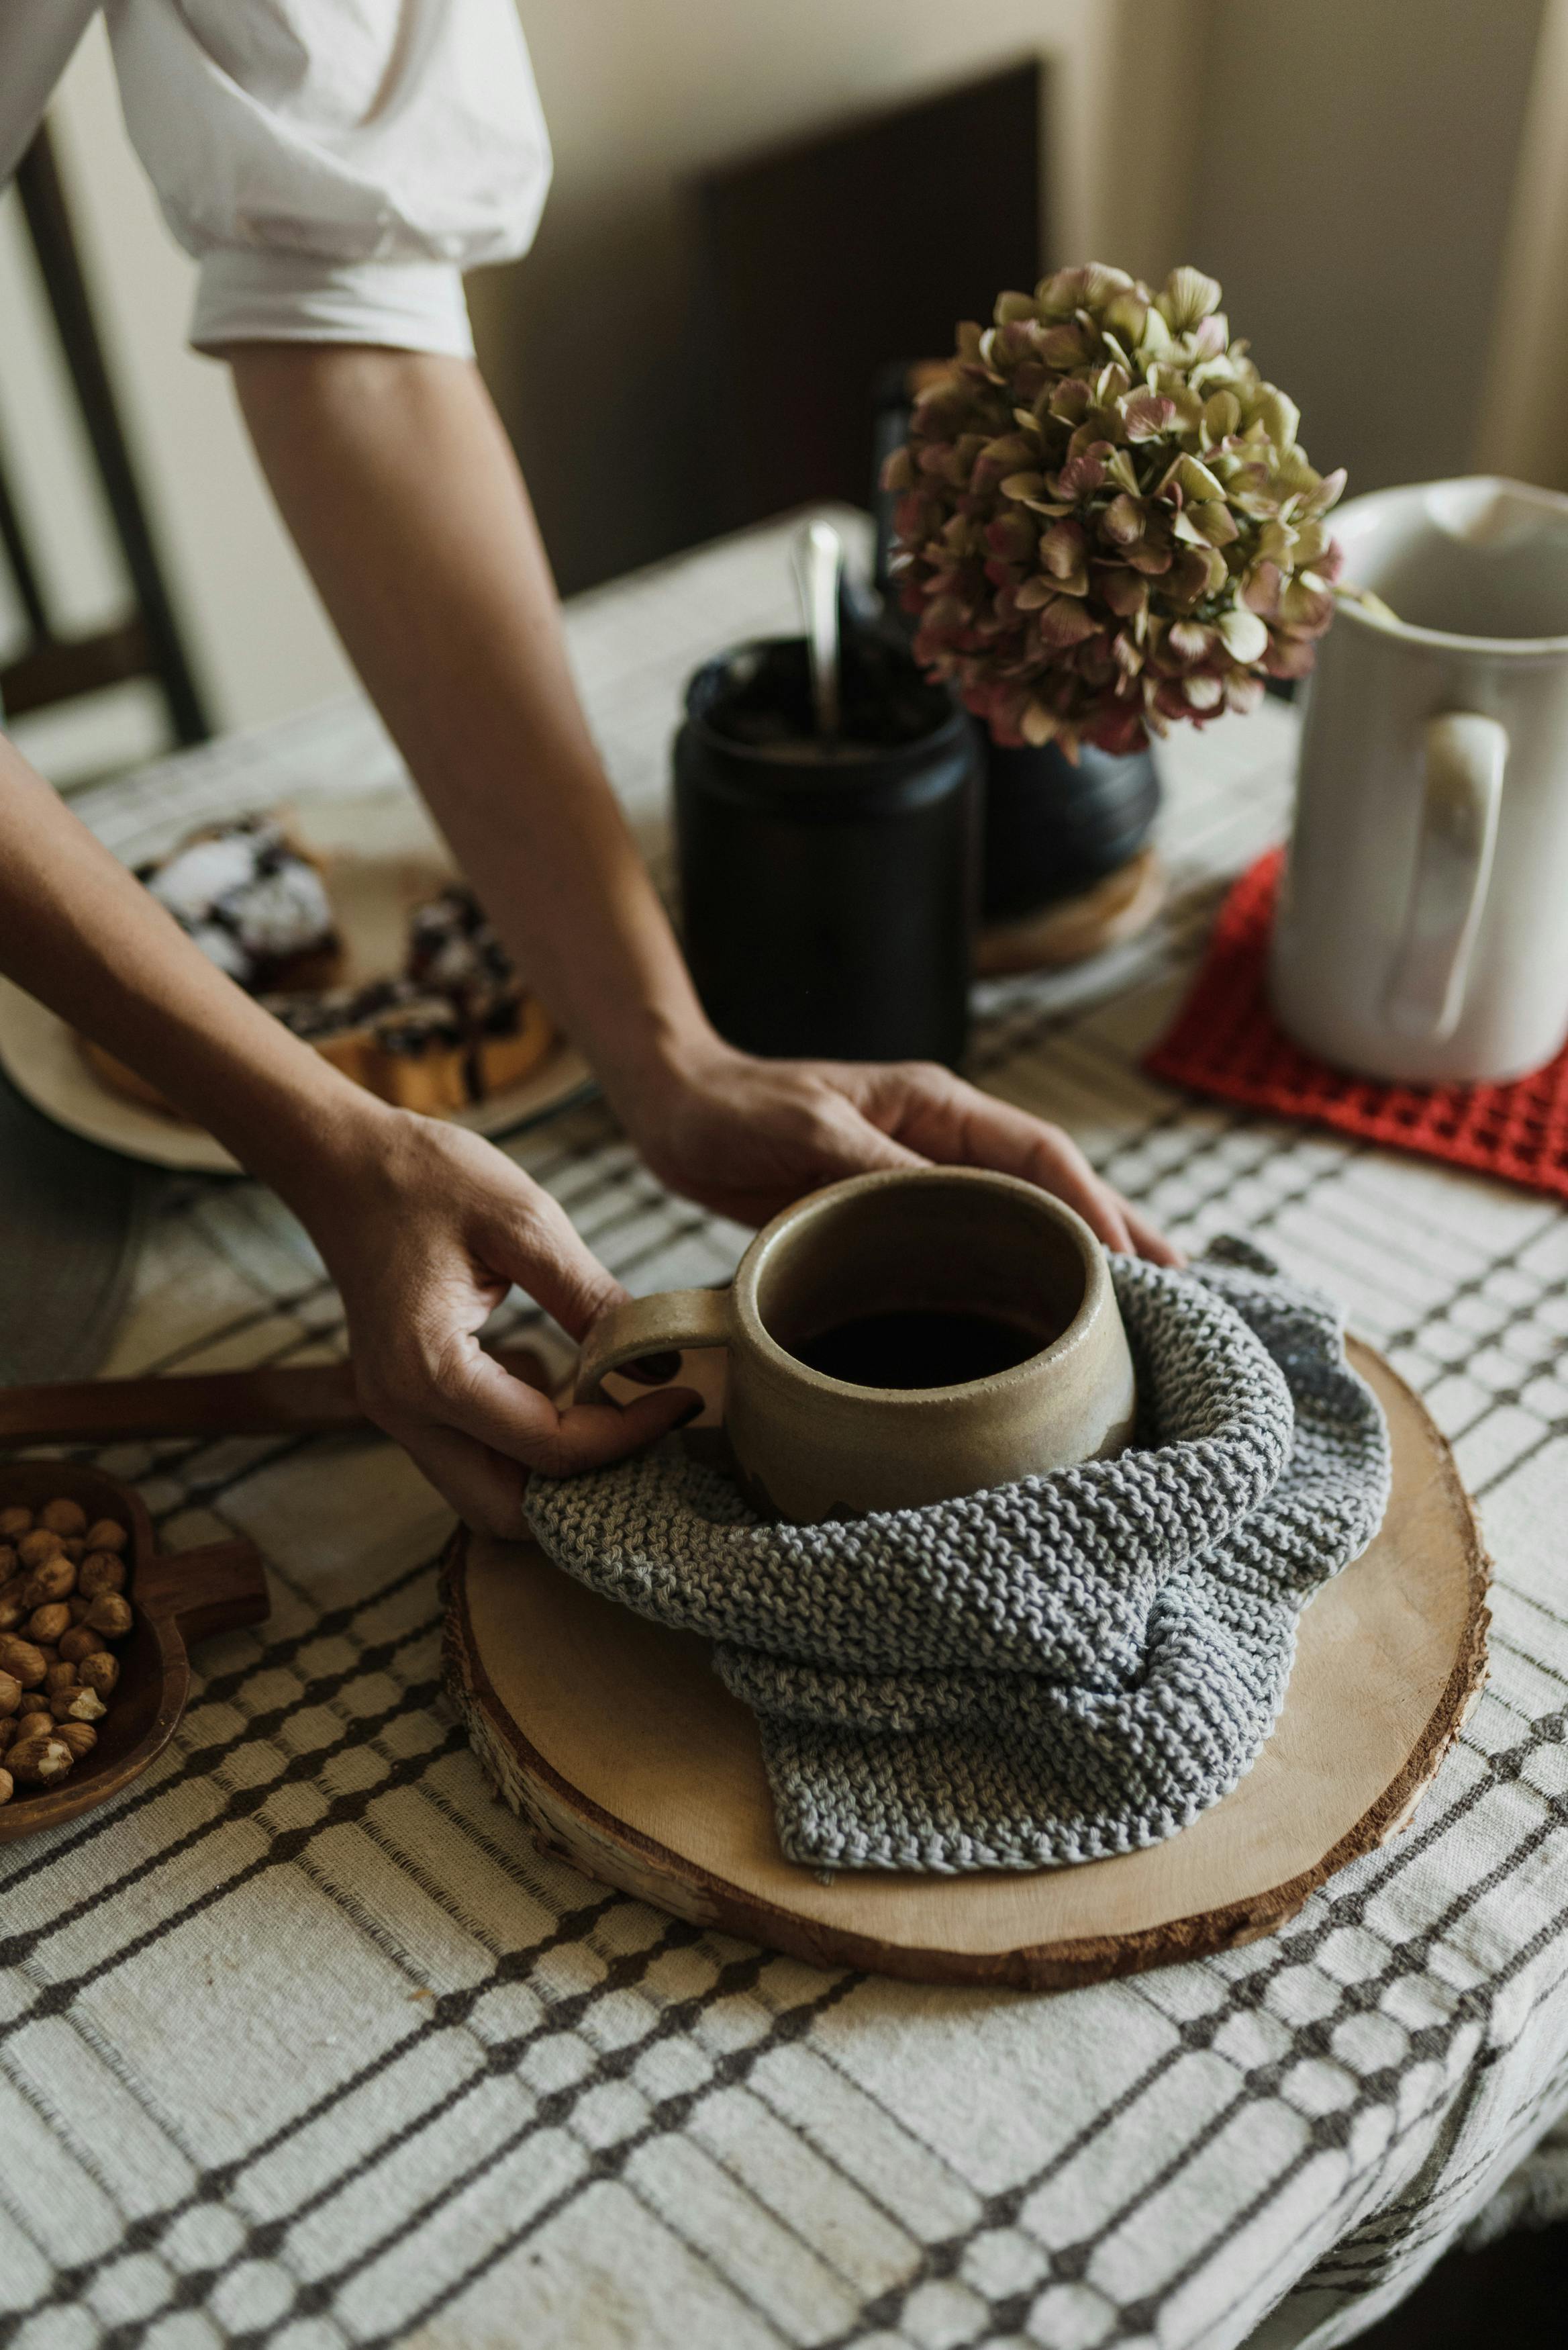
<point>651,1325</point>
<point>1466,755</point>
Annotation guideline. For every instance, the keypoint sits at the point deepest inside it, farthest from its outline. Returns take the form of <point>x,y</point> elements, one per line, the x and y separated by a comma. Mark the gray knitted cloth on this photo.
<point>1056,1670</point>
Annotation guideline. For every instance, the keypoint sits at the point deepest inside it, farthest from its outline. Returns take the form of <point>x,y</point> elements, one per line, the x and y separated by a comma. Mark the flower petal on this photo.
<point>1261,589</point>
<point>1123,520</point>
<point>1189,296</point>
<point>1066,622</point>
<point>1062,549</point>
<point>1190,641</point>
<point>1246,638</point>
<point>1147,414</point>
<point>1122,592</point>
<point>1280,418</point>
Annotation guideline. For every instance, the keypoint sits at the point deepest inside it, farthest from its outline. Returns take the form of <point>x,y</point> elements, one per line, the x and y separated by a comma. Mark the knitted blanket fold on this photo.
<point>1055,1670</point>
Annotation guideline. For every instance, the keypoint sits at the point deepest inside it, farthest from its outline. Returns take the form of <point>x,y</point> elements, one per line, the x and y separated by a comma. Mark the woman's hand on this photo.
<point>424,1228</point>
<point>745,1137</point>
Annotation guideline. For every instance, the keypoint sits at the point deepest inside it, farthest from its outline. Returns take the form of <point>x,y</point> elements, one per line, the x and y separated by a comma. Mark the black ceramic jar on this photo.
<point>828,890</point>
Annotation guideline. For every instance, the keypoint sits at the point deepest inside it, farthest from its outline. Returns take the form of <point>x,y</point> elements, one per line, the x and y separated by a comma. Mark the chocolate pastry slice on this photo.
<point>455,1026</point>
<point>254,901</point>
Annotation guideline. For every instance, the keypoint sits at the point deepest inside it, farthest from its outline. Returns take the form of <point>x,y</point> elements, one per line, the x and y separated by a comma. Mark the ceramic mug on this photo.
<point>927,1242</point>
<point>1421,933</point>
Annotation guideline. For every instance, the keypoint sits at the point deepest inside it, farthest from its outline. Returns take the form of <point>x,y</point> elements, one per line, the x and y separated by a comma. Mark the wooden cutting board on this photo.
<point>612,1739</point>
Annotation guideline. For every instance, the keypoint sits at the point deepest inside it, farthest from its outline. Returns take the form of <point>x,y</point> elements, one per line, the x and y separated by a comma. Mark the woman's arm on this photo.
<point>423,1228</point>
<point>400,489</point>
<point>395,477</point>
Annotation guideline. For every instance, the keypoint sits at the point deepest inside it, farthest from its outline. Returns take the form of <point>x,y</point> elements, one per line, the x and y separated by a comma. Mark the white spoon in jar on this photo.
<point>819,567</point>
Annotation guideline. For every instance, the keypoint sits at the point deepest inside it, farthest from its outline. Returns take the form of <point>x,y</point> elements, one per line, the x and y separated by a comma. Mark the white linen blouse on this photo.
<point>334,165</point>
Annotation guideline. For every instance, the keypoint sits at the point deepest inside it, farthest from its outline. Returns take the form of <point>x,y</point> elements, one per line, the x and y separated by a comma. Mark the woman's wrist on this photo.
<point>318,1145</point>
<point>647,1077</point>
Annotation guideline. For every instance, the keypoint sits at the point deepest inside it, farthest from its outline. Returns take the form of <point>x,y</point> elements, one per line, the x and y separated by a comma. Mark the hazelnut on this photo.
<point>74,1548</point>
<point>10,1564</point>
<point>46,1623</point>
<point>56,1579</point>
<point>79,1643</point>
<point>78,1705</point>
<point>15,1524</point>
<point>104,1534</point>
<point>10,1693</point>
<point>109,1613</point>
<point>35,1548</point>
<point>10,1724</point>
<point>63,1517</point>
<point>50,1652</point>
<point>99,1571</point>
<point>8,1786</point>
<point>39,1761</point>
<point>22,1660</point>
<point>60,1677</point>
<point>35,1700</point>
<point>99,1671</point>
<point>11,1609</point>
<point>79,1736</point>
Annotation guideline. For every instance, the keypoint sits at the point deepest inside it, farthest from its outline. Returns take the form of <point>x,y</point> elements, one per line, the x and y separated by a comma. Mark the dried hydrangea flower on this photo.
<point>1105,520</point>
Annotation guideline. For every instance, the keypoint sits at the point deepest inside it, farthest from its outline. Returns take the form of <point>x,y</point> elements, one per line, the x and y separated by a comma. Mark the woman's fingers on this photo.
<point>528,1237</point>
<point>471,1396</point>
<point>484,1490</point>
<point>951,1123</point>
<point>483,1401</point>
<point>1149,1240</point>
<point>479,1450</point>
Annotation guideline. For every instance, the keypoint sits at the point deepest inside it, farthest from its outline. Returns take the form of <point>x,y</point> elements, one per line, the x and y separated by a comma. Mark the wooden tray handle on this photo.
<point>217,1588</point>
<point>279,1400</point>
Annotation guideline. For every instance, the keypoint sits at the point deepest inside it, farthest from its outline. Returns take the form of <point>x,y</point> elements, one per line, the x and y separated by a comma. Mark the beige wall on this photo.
<point>1524,414</point>
<point>586,343</point>
<point>1358,159</point>
<point>1345,166</point>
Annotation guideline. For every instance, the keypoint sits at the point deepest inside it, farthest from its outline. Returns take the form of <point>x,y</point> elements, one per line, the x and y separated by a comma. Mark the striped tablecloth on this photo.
<point>303,2043</point>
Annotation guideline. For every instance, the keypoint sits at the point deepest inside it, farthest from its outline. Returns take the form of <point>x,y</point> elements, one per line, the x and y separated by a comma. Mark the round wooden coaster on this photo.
<point>613,1739</point>
<point>1072,928</point>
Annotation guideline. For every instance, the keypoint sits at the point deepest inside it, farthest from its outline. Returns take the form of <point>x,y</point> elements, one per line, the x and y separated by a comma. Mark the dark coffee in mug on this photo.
<point>920,1347</point>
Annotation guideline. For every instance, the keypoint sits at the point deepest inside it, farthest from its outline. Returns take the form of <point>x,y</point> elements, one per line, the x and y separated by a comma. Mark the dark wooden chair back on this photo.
<point>52,667</point>
<point>825,262</point>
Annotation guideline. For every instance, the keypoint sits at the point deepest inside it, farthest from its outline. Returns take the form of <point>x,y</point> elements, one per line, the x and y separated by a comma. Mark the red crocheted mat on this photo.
<point>1224,1041</point>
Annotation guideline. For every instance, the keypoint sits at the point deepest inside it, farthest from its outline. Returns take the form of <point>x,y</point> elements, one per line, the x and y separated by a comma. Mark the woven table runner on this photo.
<point>1225,1041</point>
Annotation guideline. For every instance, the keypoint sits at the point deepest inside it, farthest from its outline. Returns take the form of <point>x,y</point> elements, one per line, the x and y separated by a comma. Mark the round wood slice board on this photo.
<point>613,1739</point>
<point>1071,928</point>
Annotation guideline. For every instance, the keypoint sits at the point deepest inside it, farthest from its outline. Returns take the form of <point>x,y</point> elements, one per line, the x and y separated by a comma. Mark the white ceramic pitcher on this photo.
<point>1422,926</point>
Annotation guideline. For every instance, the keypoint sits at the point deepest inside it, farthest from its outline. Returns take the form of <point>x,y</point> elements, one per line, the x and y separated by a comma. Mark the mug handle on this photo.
<point>674,1318</point>
<point>1466,755</point>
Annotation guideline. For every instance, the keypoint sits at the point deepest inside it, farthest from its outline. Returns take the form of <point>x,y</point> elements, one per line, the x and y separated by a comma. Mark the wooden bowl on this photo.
<point>177,1598</point>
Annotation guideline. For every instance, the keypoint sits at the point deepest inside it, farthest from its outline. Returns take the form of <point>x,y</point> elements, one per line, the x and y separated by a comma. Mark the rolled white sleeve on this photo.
<point>335,165</point>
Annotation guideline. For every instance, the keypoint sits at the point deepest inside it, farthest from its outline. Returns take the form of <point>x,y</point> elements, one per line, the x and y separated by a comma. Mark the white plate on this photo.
<point>384,856</point>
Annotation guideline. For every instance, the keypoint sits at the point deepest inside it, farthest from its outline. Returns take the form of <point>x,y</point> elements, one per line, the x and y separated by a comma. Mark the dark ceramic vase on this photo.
<point>828,897</point>
<point>1052,828</point>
